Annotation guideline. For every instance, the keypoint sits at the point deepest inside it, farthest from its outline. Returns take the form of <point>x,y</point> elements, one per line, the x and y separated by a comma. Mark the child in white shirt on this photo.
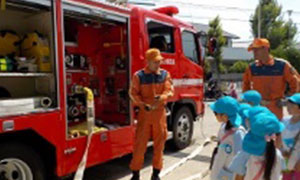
<point>291,146</point>
<point>259,159</point>
<point>230,136</point>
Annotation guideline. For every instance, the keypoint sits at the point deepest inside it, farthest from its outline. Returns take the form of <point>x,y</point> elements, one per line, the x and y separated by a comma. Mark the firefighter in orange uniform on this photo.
<point>150,89</point>
<point>269,75</point>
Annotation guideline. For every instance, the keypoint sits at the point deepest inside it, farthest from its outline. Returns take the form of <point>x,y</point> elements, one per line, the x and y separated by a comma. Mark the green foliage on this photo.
<point>215,31</point>
<point>207,67</point>
<point>238,67</point>
<point>280,33</point>
<point>270,11</point>
<point>272,25</point>
<point>291,54</point>
<point>222,69</point>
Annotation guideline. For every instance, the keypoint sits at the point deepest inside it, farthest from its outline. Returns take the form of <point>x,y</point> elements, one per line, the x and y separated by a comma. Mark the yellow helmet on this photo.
<point>35,46</point>
<point>9,43</point>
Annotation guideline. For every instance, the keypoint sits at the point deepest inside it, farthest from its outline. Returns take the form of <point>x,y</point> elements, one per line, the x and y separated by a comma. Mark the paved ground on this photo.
<point>195,168</point>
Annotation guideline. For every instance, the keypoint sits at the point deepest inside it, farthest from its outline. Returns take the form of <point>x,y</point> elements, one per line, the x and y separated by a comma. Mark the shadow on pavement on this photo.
<point>119,168</point>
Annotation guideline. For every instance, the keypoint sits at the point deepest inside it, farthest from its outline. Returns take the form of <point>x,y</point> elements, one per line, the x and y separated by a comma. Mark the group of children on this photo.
<point>253,144</point>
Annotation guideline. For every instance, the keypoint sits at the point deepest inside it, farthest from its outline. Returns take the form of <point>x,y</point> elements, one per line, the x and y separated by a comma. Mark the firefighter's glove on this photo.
<point>147,107</point>
<point>279,103</point>
<point>161,97</point>
<point>157,98</point>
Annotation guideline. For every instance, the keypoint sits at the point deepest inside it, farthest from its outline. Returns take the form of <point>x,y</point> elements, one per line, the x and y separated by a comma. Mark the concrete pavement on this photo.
<point>194,168</point>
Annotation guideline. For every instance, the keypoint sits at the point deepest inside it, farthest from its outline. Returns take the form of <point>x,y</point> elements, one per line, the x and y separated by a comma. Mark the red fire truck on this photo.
<point>49,47</point>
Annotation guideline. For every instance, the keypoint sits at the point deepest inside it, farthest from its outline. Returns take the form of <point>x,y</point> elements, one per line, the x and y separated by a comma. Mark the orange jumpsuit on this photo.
<point>270,80</point>
<point>151,124</point>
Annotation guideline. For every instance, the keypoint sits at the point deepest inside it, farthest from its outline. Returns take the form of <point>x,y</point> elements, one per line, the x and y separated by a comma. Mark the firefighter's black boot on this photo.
<point>155,174</point>
<point>135,175</point>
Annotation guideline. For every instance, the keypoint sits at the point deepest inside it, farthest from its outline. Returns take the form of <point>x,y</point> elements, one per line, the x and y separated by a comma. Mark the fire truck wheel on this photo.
<point>183,126</point>
<point>20,162</point>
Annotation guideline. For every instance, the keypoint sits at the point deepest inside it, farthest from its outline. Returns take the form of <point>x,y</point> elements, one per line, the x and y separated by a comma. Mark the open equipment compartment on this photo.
<point>27,58</point>
<point>96,56</point>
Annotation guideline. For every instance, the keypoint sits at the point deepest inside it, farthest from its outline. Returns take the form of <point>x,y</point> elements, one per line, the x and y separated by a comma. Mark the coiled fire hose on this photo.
<point>90,123</point>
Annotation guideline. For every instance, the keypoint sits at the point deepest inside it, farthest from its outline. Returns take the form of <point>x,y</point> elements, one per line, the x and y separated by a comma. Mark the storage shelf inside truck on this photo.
<point>9,74</point>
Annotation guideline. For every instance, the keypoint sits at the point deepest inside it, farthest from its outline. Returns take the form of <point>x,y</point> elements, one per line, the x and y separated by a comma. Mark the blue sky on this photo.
<point>234,20</point>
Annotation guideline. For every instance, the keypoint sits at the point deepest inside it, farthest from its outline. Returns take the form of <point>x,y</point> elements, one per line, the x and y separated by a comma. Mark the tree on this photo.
<point>280,33</point>
<point>223,69</point>
<point>273,27</point>
<point>290,53</point>
<point>207,67</point>
<point>215,31</point>
<point>238,67</point>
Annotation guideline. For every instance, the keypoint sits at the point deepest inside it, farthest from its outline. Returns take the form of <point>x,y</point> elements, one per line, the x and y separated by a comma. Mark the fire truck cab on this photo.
<point>49,48</point>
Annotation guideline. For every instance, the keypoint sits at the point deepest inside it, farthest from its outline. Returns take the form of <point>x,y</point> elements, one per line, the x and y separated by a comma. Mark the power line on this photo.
<point>242,42</point>
<point>203,17</point>
<point>223,8</point>
<point>210,6</point>
<point>223,19</point>
<point>226,8</point>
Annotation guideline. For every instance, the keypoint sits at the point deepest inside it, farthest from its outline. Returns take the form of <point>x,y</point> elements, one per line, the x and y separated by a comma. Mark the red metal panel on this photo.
<point>104,147</point>
<point>62,123</point>
<point>112,144</point>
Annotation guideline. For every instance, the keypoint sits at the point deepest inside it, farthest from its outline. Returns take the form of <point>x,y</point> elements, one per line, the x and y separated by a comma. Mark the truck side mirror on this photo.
<point>212,45</point>
<point>202,40</point>
<point>202,36</point>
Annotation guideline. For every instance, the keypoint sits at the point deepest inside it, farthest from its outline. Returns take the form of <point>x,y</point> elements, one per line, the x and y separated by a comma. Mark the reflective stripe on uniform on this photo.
<point>188,82</point>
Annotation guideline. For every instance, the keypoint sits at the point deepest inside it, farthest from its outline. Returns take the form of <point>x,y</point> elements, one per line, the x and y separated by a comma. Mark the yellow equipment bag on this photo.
<point>9,43</point>
<point>35,46</point>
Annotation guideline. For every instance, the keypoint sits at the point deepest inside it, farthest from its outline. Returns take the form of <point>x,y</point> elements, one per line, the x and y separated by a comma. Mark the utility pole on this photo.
<point>290,22</point>
<point>259,19</point>
<point>290,13</point>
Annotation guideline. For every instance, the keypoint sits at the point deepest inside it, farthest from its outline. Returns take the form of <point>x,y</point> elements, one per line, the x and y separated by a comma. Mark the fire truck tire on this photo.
<point>20,162</point>
<point>183,126</point>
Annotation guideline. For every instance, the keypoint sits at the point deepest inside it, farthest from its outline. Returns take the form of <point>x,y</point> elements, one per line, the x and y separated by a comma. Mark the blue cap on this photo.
<point>252,96</point>
<point>295,98</point>
<point>264,124</point>
<point>229,106</point>
<point>243,108</point>
<point>251,112</point>
<point>253,144</point>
